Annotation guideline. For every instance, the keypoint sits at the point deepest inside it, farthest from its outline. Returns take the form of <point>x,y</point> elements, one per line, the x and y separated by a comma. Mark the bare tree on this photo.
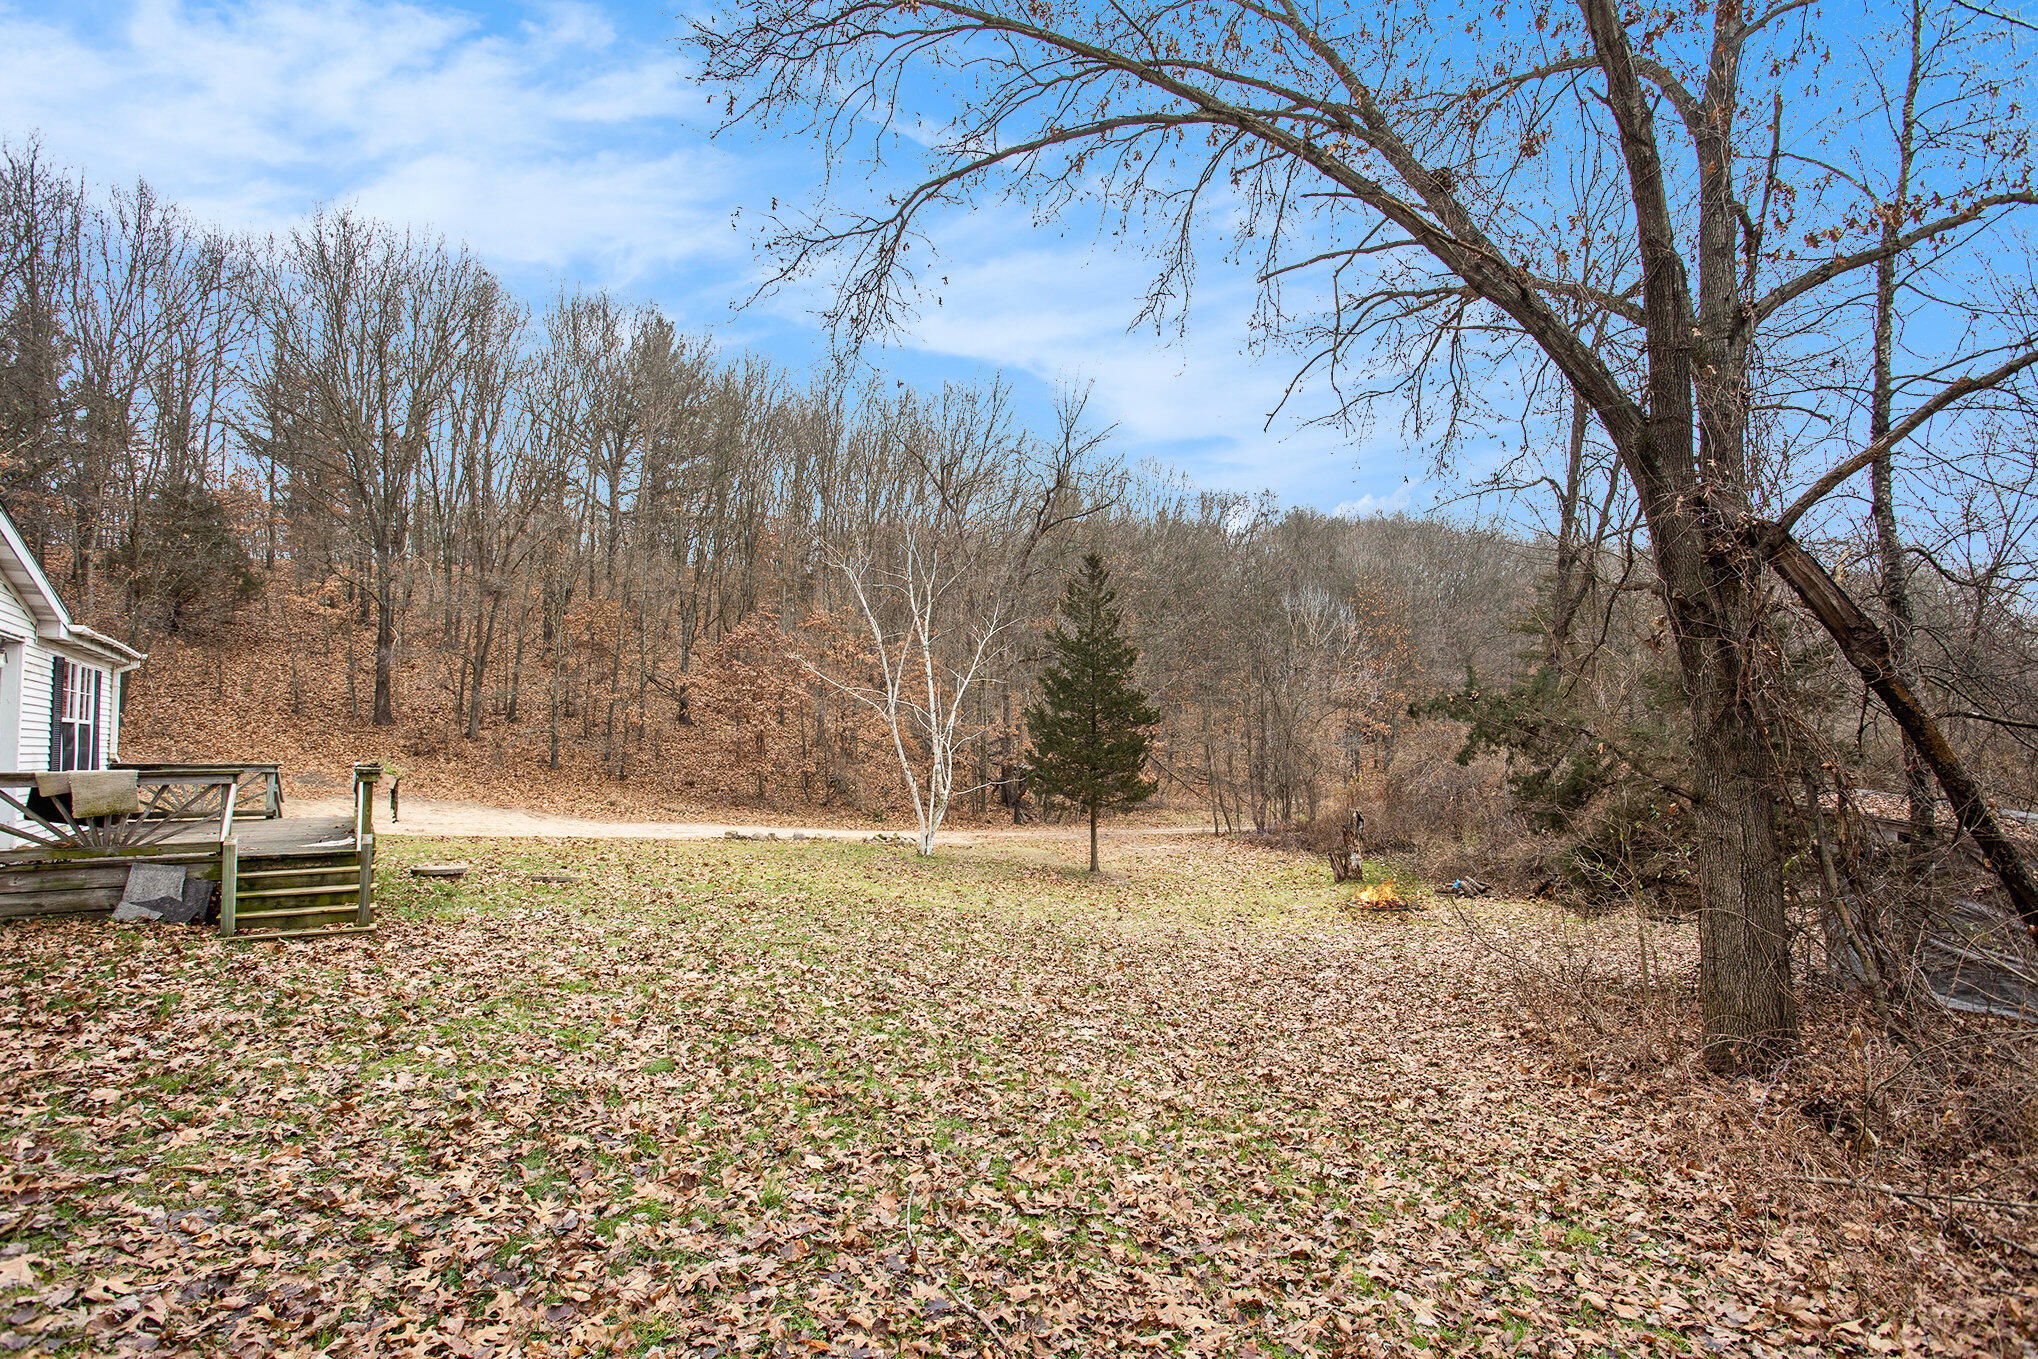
<point>370,330</point>
<point>42,215</point>
<point>920,692</point>
<point>1431,180</point>
<point>939,582</point>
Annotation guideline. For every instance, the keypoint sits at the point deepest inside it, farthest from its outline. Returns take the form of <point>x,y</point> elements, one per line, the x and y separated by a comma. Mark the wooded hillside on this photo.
<point>357,501</point>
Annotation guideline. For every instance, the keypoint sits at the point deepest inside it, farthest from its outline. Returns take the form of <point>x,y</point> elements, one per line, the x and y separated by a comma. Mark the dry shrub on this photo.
<point>1426,799</point>
<point>1911,1157</point>
<point>1438,819</point>
<point>1315,838</point>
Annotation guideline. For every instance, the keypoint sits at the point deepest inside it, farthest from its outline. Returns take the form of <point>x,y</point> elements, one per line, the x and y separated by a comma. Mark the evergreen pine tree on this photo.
<point>1089,727</point>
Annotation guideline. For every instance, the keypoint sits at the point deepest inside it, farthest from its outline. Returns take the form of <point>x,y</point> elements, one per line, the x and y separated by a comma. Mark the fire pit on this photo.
<point>1381,897</point>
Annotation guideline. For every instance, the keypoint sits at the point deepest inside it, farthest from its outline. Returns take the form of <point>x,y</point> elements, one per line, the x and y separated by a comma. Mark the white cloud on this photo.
<point>541,144</point>
<point>1060,311</point>
<point>558,147</point>
<point>624,215</point>
<point>1369,505</point>
<point>567,24</point>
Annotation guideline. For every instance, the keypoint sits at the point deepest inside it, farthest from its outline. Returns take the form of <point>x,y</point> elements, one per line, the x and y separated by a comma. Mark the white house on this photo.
<point>59,681</point>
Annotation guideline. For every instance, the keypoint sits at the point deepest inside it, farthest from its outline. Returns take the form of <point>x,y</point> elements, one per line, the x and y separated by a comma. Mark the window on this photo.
<point>75,695</point>
<point>78,688</point>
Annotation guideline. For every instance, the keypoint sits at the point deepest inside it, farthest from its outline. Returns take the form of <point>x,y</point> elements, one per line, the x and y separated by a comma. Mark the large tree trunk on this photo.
<point>1713,599</point>
<point>1745,995</point>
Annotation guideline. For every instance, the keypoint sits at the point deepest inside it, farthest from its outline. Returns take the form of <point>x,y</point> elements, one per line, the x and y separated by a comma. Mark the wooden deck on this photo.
<point>276,875</point>
<point>285,836</point>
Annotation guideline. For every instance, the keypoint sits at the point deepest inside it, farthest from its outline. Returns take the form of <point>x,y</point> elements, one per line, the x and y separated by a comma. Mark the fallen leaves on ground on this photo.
<point>714,1099</point>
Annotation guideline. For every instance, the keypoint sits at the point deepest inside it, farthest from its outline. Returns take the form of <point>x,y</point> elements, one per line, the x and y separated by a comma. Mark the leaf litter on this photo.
<point>720,1099</point>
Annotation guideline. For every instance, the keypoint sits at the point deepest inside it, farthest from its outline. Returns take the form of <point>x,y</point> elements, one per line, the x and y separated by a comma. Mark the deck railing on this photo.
<point>229,878</point>
<point>192,815</point>
<point>166,804</point>
<point>365,778</point>
<point>254,781</point>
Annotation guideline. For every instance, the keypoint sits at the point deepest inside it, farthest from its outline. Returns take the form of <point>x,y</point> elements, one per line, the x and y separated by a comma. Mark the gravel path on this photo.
<point>477,820</point>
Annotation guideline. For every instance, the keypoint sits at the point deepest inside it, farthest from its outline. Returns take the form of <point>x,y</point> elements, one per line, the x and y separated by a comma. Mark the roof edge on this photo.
<point>51,601</point>
<point>59,627</point>
<point>94,637</point>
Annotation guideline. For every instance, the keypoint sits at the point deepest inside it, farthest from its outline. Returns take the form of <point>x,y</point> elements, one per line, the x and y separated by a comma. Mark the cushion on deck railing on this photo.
<point>110,792</point>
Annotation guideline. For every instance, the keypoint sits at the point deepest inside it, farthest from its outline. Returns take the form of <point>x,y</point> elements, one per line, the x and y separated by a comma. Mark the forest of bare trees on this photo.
<point>347,475</point>
<point>1713,262</point>
<point>400,499</point>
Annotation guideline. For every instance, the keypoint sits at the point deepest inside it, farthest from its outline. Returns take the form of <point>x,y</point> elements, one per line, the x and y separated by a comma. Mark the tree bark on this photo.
<point>385,647</point>
<point>1745,995</point>
<point>484,642</point>
<point>1093,837</point>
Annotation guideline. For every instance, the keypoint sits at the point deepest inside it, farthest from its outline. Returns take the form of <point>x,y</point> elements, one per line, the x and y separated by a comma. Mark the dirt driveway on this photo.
<point>424,816</point>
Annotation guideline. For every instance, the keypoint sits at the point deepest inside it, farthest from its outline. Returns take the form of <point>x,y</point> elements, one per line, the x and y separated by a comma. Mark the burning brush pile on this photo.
<point>1382,897</point>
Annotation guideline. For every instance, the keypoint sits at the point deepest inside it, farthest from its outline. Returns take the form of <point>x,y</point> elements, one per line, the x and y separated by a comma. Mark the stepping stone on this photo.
<point>447,872</point>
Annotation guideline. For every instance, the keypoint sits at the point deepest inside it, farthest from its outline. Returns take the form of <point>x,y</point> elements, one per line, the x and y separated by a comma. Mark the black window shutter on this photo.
<point>57,664</point>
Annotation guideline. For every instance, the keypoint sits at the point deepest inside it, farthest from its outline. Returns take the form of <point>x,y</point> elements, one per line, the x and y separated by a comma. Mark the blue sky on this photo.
<point>564,141</point>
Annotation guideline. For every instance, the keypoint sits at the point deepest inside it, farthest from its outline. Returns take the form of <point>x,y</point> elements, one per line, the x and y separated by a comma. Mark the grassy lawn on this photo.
<point>733,1098</point>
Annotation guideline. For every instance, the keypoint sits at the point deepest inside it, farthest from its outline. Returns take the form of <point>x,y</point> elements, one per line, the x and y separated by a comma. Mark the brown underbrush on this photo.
<point>1926,1132</point>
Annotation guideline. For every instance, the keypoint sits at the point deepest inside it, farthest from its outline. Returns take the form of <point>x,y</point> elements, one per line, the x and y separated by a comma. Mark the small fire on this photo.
<point>1381,898</point>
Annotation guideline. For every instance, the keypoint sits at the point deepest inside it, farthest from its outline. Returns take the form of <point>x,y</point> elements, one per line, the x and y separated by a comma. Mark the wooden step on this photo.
<point>241,917</point>
<point>246,873</point>
<point>305,934</point>
<point>299,862</point>
<point>248,894</point>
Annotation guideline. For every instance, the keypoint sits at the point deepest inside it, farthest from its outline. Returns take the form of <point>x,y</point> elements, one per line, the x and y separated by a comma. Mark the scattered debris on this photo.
<point>152,891</point>
<point>1464,888</point>
<point>449,872</point>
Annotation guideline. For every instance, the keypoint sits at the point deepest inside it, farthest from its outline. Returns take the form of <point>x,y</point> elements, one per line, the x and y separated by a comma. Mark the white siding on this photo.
<point>27,747</point>
<point>109,722</point>
<point>14,615</point>
<point>33,740</point>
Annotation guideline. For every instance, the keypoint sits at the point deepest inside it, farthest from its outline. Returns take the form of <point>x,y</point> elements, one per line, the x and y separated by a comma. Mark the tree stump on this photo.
<point>1347,861</point>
